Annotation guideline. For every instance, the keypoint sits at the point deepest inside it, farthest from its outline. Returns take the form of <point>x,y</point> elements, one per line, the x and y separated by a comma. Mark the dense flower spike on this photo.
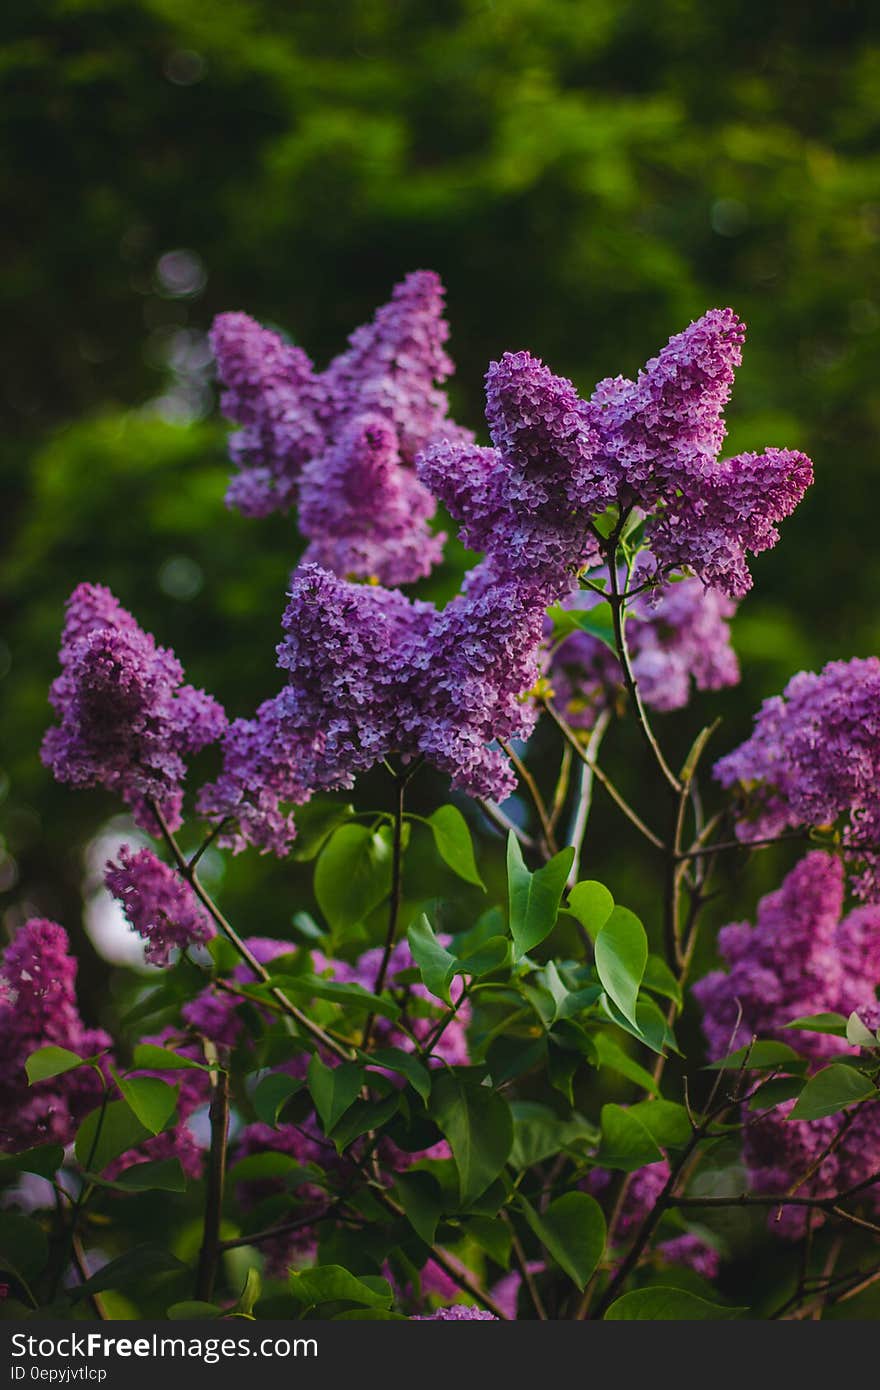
<point>370,674</point>
<point>799,959</point>
<point>678,636</point>
<point>127,719</point>
<point>814,757</point>
<point>270,389</point>
<point>37,1009</point>
<point>458,1312</point>
<point>341,442</point>
<point>649,445</point>
<point>158,904</point>
<point>364,515</point>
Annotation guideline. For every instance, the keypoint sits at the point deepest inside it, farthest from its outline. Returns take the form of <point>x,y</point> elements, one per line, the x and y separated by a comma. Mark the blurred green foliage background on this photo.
<point>586,175</point>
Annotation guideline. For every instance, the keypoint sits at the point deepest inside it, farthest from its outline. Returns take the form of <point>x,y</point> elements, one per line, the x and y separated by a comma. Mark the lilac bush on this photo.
<point>405,1105</point>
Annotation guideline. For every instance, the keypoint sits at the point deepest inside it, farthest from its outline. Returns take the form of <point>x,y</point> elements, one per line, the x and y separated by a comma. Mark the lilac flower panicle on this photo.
<point>393,366</point>
<point>159,905</point>
<point>800,958</point>
<point>814,757</point>
<point>271,391</point>
<point>457,1312</point>
<point>371,673</point>
<point>366,516</point>
<point>650,444</point>
<point>38,1008</point>
<point>127,720</point>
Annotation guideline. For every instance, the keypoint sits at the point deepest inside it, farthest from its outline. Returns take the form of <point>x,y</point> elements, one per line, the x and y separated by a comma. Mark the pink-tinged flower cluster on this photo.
<point>159,905</point>
<point>38,1008</point>
<point>800,958</point>
<point>365,516</point>
<point>678,637</point>
<point>643,1188</point>
<point>341,443</point>
<point>457,1312</point>
<point>372,674</point>
<point>451,1047</point>
<point>127,720</point>
<point>649,444</point>
<point>813,758</point>
<point>193,1093</point>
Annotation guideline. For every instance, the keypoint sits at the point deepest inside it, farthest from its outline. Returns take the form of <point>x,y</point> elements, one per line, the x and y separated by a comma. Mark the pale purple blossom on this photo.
<point>127,720</point>
<point>158,904</point>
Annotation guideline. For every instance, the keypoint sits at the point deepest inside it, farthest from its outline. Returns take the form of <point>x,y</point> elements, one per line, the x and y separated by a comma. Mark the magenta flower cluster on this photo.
<point>801,958</point>
<point>370,674</point>
<point>38,1008</point>
<point>651,445</point>
<point>677,636</point>
<point>341,443</point>
<point>159,905</point>
<point>814,759</point>
<point>127,720</point>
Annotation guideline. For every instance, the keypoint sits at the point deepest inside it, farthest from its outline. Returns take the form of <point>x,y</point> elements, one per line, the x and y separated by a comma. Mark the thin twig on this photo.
<point>537,799</point>
<point>577,829</point>
<point>393,904</point>
<point>216,1179</point>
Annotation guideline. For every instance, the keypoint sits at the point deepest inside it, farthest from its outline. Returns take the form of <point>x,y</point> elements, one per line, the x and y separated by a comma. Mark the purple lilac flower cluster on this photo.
<point>371,673</point>
<point>341,443</point>
<point>158,904</point>
<point>650,444</point>
<point>457,1312</point>
<point>800,958</point>
<point>642,1190</point>
<point>38,1008</point>
<point>814,757</point>
<point>676,636</point>
<point>127,720</point>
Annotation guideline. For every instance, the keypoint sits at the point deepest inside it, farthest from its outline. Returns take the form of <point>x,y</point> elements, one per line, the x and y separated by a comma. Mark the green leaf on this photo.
<point>627,1143</point>
<point>24,1247</point>
<point>659,978</point>
<point>534,897</point>
<point>352,875</point>
<point>485,959</point>
<point>272,1094</point>
<point>183,1312</point>
<point>775,1091</point>
<point>610,1054</point>
<point>479,1126</point>
<point>315,823</point>
<point>421,1197</point>
<point>454,844</point>
<point>592,905</point>
<point>830,1090</point>
<point>130,1268</point>
<point>161,1175</point>
<point>152,1100</point>
<point>405,1064</point>
<point>597,621</point>
<point>651,1027</point>
<point>492,1235</point>
<point>52,1061</point>
<point>436,965</point>
<point>760,1056</point>
<point>249,1295</point>
<point>657,1303</point>
<point>258,1167</point>
<point>363,1116</point>
<point>45,1160</point>
<point>666,1122</point>
<point>857,1035</point>
<point>150,1056</point>
<point>352,996</point>
<point>539,1133</point>
<point>333,1284</point>
<point>621,956</point>
<point>572,1230</point>
<point>334,1089</point>
<point>99,1141</point>
<point>821,1023</point>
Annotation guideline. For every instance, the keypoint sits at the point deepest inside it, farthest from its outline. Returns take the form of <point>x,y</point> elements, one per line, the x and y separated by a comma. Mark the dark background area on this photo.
<point>586,177</point>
